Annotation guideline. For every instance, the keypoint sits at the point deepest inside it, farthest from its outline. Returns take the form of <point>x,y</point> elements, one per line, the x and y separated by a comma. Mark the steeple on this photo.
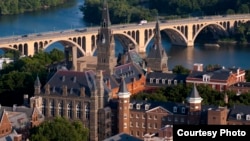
<point>194,96</point>
<point>105,15</point>
<point>37,86</point>
<point>157,57</point>
<point>123,90</point>
<point>106,60</point>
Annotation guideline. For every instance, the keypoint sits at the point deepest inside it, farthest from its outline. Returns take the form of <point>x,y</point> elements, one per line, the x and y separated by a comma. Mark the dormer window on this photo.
<point>175,109</point>
<point>238,116</point>
<point>63,78</point>
<point>74,80</point>
<point>131,106</point>
<point>248,117</point>
<point>151,80</point>
<point>138,106</point>
<point>157,81</point>
<point>163,81</point>
<point>169,82</point>
<point>71,91</point>
<point>206,78</point>
<point>183,110</point>
<point>175,82</point>
<point>146,106</point>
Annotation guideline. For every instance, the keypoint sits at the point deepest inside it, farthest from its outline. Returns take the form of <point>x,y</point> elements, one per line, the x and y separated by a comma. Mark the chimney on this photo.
<point>198,67</point>
<point>65,90</point>
<point>82,92</point>
<point>47,89</point>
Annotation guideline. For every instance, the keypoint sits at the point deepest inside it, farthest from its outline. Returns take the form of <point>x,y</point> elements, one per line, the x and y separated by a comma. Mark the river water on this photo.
<point>69,16</point>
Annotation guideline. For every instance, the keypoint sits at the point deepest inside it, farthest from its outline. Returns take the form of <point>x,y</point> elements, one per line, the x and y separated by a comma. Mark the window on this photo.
<point>157,81</point>
<point>143,116</point>
<point>137,116</point>
<point>78,111</point>
<point>125,115</point>
<point>131,106</point>
<point>183,110</point>
<point>238,117</point>
<point>125,125</point>
<point>155,117</point>
<point>151,80</point>
<point>146,106</point>
<point>247,117</point>
<point>69,109</point>
<point>169,118</point>
<point>43,106</point>
<point>176,119</point>
<point>60,109</point>
<point>174,109</point>
<point>155,125</point>
<point>149,117</point>
<point>149,125</point>
<point>143,125</point>
<point>175,82</point>
<point>136,124</point>
<point>169,82</point>
<point>131,124</point>
<point>131,115</point>
<point>163,81</point>
<point>138,106</point>
<point>137,133</point>
<point>87,111</point>
<point>52,108</point>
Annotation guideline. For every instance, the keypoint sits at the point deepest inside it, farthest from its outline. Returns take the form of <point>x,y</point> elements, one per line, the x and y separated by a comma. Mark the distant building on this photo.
<point>219,79</point>
<point>4,60</point>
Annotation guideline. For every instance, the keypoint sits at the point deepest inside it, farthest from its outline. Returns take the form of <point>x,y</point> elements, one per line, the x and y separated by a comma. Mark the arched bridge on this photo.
<point>181,32</point>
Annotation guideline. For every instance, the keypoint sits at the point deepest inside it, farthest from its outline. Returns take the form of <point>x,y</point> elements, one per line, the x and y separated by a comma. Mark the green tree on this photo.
<point>59,129</point>
<point>180,70</point>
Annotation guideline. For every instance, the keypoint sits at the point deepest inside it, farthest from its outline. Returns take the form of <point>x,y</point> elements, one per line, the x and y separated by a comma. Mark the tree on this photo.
<point>59,129</point>
<point>180,70</point>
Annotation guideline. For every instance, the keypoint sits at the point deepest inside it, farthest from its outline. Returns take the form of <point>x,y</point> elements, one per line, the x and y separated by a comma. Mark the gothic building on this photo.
<point>157,57</point>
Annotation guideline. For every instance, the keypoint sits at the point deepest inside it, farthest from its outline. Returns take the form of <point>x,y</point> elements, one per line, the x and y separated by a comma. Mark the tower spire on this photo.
<point>157,32</point>
<point>105,15</point>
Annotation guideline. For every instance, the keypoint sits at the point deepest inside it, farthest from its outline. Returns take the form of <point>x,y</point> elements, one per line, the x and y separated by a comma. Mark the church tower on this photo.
<point>106,60</point>
<point>194,105</point>
<point>123,108</point>
<point>157,57</point>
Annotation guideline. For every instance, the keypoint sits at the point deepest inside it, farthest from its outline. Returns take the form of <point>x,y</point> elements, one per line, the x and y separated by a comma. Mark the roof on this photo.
<point>74,81</point>
<point>163,77</point>
<point>242,110</point>
<point>122,137</point>
<point>123,87</point>
<point>194,93</point>
<point>9,137</point>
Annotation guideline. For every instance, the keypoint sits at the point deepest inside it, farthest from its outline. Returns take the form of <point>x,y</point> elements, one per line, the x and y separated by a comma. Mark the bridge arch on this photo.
<point>172,33</point>
<point>215,25</point>
<point>66,42</point>
<point>126,41</point>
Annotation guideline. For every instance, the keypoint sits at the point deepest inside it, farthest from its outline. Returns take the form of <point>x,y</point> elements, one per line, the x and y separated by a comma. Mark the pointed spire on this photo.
<point>123,90</point>
<point>194,96</point>
<point>123,87</point>
<point>157,32</point>
<point>194,93</point>
<point>37,81</point>
<point>105,15</point>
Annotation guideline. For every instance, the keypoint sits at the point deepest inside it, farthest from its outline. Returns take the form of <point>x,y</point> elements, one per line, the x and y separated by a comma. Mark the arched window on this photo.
<point>78,110</point>
<point>69,109</point>
<point>60,109</point>
<point>87,111</point>
<point>52,108</point>
<point>44,106</point>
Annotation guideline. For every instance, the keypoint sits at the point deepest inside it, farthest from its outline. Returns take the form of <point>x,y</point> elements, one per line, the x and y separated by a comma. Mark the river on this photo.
<point>69,16</point>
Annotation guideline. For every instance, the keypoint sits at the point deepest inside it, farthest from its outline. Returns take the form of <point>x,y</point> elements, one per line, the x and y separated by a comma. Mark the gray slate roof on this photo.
<point>166,76</point>
<point>243,110</point>
<point>194,93</point>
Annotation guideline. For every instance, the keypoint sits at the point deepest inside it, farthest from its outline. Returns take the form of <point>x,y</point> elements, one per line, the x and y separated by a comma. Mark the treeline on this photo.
<point>129,11</point>
<point>120,11</point>
<point>180,92</point>
<point>20,6</point>
<point>200,7</point>
<point>17,78</point>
